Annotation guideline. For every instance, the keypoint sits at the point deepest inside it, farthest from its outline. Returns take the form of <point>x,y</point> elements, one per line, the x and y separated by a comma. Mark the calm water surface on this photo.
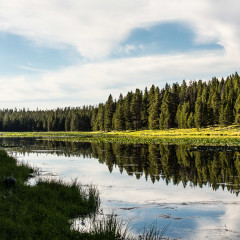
<point>193,191</point>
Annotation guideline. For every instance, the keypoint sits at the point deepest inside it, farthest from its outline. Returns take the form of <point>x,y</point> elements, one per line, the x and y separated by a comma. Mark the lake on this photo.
<point>191,190</point>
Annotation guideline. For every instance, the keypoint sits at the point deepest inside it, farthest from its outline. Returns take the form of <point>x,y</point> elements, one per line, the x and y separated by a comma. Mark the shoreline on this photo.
<point>44,210</point>
<point>47,210</point>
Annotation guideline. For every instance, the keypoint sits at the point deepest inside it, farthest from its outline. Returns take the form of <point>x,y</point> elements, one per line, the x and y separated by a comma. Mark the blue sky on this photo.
<point>57,54</point>
<point>21,56</point>
<point>164,38</point>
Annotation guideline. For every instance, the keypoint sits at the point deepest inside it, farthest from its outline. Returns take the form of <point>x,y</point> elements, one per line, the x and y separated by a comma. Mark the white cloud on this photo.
<point>96,28</point>
<point>92,83</point>
<point>225,227</point>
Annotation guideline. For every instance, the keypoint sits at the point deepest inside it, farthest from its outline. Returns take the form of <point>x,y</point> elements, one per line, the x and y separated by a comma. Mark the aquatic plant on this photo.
<point>111,227</point>
<point>209,136</point>
<point>152,232</point>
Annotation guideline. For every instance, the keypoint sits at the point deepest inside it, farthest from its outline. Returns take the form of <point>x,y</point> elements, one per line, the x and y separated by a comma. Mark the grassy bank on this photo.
<point>218,136</point>
<point>42,211</point>
<point>45,211</point>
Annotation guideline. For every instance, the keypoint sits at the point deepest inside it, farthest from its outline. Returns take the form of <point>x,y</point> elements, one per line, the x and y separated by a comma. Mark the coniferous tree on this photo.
<point>182,115</point>
<point>192,94</point>
<point>204,106</point>
<point>236,82</point>
<point>67,123</point>
<point>231,100</point>
<point>6,122</point>
<point>94,120</point>
<point>144,109</point>
<point>135,109</point>
<point>237,110</point>
<point>166,117</point>
<point>190,121</point>
<point>183,92</point>
<point>178,116</point>
<point>100,117</point>
<point>154,111</point>
<point>175,101</point>
<point>226,111</point>
<point>151,94</point>
<point>119,120</point>
<point>74,124</point>
<point>225,114</point>
<point>215,107</point>
<point>127,111</point>
<point>198,112</point>
<point>108,114</point>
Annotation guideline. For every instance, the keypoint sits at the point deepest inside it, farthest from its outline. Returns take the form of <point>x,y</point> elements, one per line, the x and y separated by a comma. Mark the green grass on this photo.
<point>214,135</point>
<point>43,211</point>
<point>46,210</point>
<point>112,228</point>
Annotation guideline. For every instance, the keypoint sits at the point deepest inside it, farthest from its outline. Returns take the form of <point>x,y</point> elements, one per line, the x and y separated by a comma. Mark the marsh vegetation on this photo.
<point>47,210</point>
<point>211,136</point>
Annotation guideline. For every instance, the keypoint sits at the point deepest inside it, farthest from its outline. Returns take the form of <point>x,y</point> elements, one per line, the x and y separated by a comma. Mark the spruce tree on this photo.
<point>183,92</point>
<point>182,115</point>
<point>100,117</point>
<point>215,107</point>
<point>67,123</point>
<point>151,96</point>
<point>166,115</point>
<point>237,110</point>
<point>154,111</point>
<point>135,109</point>
<point>144,109</point>
<point>119,120</point>
<point>198,112</point>
<point>74,124</point>
<point>178,116</point>
<point>204,111</point>
<point>225,114</point>
<point>192,94</point>
<point>127,111</point>
<point>175,100</point>
<point>108,114</point>
<point>94,119</point>
<point>190,121</point>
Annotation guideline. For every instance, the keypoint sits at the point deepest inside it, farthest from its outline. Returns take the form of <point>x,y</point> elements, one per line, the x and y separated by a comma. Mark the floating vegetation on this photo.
<point>211,136</point>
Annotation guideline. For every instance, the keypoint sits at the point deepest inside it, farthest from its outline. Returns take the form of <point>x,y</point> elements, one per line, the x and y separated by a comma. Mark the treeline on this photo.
<point>67,119</point>
<point>196,104</point>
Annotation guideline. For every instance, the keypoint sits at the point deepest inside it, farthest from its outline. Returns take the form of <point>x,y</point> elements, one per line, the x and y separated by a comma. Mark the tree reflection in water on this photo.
<point>217,167</point>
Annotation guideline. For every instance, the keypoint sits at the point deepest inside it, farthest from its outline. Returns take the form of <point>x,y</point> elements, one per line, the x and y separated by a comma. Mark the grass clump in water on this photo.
<point>152,233</point>
<point>109,227</point>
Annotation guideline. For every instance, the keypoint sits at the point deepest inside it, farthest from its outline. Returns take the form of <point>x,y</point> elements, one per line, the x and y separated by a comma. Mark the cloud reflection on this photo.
<point>192,212</point>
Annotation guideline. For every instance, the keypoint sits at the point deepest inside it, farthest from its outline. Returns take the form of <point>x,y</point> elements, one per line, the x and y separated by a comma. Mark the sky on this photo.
<point>62,53</point>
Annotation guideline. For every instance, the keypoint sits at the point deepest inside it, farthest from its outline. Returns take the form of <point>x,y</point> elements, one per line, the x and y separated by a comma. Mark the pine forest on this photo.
<point>191,104</point>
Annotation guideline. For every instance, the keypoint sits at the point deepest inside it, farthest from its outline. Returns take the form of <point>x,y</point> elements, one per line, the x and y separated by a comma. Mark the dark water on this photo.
<point>192,190</point>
